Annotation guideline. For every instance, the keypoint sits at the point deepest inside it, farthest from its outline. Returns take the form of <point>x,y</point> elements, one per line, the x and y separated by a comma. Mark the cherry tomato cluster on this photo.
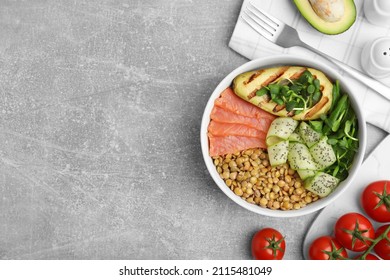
<point>355,232</point>
<point>352,231</point>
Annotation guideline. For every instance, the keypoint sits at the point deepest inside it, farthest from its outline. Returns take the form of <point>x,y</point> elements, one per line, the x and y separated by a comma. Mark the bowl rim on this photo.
<point>278,60</point>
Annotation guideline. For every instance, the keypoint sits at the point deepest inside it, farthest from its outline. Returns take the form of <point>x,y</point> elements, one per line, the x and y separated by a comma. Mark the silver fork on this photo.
<point>286,36</point>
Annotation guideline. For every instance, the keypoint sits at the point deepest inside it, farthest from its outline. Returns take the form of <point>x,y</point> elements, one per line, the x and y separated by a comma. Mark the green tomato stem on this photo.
<point>374,242</point>
<point>274,245</point>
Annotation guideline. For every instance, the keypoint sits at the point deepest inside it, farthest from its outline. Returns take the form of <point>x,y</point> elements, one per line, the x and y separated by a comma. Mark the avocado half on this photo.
<point>328,27</point>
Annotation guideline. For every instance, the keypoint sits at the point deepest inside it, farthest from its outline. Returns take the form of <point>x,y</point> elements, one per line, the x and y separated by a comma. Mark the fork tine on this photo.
<point>271,20</point>
<point>257,26</point>
<point>260,21</point>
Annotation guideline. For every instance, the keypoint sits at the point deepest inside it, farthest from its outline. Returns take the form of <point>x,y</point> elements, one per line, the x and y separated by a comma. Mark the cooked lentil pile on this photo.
<point>249,175</point>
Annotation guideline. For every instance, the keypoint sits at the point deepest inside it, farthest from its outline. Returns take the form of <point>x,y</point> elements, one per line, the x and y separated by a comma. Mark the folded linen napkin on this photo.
<point>345,47</point>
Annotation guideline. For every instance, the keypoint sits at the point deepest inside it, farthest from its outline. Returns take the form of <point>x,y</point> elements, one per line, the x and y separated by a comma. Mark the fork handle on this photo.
<point>373,84</point>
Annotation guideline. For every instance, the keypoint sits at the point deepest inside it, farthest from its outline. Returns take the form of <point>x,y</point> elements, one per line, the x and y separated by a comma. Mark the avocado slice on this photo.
<point>246,84</point>
<point>328,16</point>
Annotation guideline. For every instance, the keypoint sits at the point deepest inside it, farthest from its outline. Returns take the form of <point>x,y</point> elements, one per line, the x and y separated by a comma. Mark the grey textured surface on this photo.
<point>100,111</point>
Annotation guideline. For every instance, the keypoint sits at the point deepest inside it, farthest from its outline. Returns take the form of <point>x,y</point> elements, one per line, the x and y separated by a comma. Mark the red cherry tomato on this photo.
<point>327,248</point>
<point>354,232</point>
<point>268,244</point>
<point>375,200</point>
<point>382,248</point>
<point>370,257</point>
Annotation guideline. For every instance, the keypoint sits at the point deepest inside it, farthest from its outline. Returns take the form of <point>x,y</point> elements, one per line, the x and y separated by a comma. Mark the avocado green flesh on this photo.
<point>326,27</point>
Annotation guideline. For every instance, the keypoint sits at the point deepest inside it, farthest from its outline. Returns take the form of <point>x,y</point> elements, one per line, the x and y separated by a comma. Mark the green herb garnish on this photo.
<point>296,95</point>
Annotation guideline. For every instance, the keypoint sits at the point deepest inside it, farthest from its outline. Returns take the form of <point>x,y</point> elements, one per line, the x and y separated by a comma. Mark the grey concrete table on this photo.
<point>100,111</point>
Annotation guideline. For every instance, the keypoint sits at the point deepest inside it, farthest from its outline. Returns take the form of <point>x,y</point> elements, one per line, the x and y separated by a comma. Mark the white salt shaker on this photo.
<point>375,58</point>
<point>377,12</point>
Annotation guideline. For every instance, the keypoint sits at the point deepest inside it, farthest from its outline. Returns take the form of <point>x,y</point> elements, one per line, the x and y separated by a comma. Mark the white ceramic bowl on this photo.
<point>277,61</point>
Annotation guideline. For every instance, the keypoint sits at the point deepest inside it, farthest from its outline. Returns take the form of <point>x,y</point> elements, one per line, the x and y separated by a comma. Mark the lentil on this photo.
<point>238,191</point>
<point>249,175</point>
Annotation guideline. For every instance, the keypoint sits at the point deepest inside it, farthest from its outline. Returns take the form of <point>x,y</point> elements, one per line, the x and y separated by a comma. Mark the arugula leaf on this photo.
<point>284,91</point>
<point>296,88</point>
<point>317,84</point>
<point>306,77</point>
<point>278,101</point>
<point>290,105</point>
<point>335,94</point>
<point>348,127</point>
<point>274,89</point>
<point>262,91</point>
<point>341,127</point>
<point>332,141</point>
<point>316,96</point>
<point>336,116</point>
<point>316,125</point>
<point>310,89</point>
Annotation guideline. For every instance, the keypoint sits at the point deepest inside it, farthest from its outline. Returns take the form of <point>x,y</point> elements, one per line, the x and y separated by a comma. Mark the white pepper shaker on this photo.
<point>377,12</point>
<point>375,58</point>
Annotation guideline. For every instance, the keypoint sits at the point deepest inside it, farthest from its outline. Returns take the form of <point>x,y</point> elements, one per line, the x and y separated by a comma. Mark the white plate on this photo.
<point>375,167</point>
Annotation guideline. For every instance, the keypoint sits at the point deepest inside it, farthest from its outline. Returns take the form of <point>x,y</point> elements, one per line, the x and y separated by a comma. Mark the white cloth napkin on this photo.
<point>345,47</point>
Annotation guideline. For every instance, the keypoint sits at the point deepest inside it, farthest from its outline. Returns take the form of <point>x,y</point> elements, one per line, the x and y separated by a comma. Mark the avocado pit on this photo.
<point>328,10</point>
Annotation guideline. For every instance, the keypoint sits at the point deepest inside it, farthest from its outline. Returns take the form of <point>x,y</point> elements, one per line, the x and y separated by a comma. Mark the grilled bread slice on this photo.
<point>247,84</point>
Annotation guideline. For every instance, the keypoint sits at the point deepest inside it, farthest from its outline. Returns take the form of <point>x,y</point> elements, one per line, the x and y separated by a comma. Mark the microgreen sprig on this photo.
<point>296,95</point>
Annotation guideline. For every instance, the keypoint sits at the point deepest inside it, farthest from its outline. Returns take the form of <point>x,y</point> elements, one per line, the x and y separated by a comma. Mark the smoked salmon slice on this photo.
<point>221,115</point>
<point>231,102</point>
<point>225,129</point>
<point>236,125</point>
<point>221,145</point>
